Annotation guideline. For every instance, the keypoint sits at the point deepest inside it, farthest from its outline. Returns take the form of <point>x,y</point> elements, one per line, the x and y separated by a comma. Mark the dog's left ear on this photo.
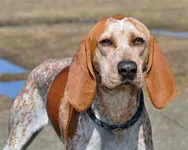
<point>160,81</point>
<point>81,84</point>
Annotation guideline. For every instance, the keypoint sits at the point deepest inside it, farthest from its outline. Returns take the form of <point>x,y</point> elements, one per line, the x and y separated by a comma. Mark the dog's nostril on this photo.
<point>124,70</point>
<point>133,70</point>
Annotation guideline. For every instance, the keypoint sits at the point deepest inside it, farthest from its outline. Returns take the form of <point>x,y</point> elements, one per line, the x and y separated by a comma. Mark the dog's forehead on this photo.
<point>116,24</point>
<point>113,24</point>
<point>126,24</point>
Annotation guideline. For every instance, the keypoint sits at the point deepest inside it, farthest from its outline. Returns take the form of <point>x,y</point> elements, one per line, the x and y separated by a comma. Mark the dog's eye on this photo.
<point>106,42</point>
<point>138,41</point>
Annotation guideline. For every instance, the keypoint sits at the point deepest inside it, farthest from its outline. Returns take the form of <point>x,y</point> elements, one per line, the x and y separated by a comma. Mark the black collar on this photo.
<point>122,126</point>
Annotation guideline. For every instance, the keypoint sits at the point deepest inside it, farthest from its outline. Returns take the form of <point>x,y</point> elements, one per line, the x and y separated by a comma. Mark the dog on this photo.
<point>94,101</point>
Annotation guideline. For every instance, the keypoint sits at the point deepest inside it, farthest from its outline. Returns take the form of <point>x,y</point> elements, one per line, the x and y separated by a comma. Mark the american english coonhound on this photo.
<point>94,101</point>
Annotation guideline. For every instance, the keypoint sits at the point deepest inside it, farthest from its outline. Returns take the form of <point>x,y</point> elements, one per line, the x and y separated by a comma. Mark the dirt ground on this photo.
<point>33,31</point>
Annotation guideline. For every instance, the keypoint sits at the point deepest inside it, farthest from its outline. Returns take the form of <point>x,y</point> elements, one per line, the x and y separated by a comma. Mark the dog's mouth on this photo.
<point>127,82</point>
<point>123,83</point>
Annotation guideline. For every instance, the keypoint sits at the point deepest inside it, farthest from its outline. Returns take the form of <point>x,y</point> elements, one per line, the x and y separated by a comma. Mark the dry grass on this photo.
<point>12,77</point>
<point>29,46</point>
<point>155,14</point>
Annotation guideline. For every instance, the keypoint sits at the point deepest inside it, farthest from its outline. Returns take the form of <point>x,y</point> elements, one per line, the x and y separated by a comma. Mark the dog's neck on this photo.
<point>116,106</point>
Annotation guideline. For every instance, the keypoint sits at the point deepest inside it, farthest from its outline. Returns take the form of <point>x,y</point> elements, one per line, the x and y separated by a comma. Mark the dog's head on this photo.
<point>122,51</point>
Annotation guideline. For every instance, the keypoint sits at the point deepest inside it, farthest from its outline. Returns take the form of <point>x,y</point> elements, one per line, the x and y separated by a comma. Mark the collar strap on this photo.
<point>122,126</point>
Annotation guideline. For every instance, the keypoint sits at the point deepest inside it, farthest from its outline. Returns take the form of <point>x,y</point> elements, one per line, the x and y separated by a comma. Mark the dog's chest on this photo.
<point>89,136</point>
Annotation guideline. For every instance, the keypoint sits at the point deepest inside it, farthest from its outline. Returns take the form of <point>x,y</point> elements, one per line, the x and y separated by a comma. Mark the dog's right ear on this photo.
<point>160,80</point>
<point>81,84</point>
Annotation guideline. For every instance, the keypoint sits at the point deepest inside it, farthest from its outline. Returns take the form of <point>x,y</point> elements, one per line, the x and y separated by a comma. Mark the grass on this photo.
<point>29,46</point>
<point>169,14</point>
<point>13,77</point>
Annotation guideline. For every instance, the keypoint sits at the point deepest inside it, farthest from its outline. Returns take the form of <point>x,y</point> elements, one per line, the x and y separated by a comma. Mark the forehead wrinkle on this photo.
<point>117,27</point>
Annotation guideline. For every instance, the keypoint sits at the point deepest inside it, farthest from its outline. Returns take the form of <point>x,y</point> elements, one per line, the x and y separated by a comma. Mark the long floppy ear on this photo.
<point>81,84</point>
<point>160,81</point>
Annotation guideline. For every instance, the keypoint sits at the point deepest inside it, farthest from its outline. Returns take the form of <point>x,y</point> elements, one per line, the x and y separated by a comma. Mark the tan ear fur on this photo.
<point>81,84</point>
<point>160,81</point>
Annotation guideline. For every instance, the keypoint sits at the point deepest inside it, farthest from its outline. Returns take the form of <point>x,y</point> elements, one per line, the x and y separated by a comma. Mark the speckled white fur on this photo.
<point>112,104</point>
<point>28,113</point>
<point>108,58</point>
<point>92,137</point>
<point>116,105</point>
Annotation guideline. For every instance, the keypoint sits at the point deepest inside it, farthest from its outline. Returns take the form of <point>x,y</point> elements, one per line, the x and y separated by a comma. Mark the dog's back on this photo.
<point>28,115</point>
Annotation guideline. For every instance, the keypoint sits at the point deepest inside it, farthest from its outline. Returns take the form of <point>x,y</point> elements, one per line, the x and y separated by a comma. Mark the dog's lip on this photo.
<point>123,83</point>
<point>126,82</point>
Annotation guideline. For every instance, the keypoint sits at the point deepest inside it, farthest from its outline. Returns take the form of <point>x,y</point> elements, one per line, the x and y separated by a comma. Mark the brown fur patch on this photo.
<point>55,94</point>
<point>119,17</point>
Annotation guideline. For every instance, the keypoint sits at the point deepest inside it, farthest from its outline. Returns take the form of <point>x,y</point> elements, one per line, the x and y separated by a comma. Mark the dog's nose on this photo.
<point>127,69</point>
